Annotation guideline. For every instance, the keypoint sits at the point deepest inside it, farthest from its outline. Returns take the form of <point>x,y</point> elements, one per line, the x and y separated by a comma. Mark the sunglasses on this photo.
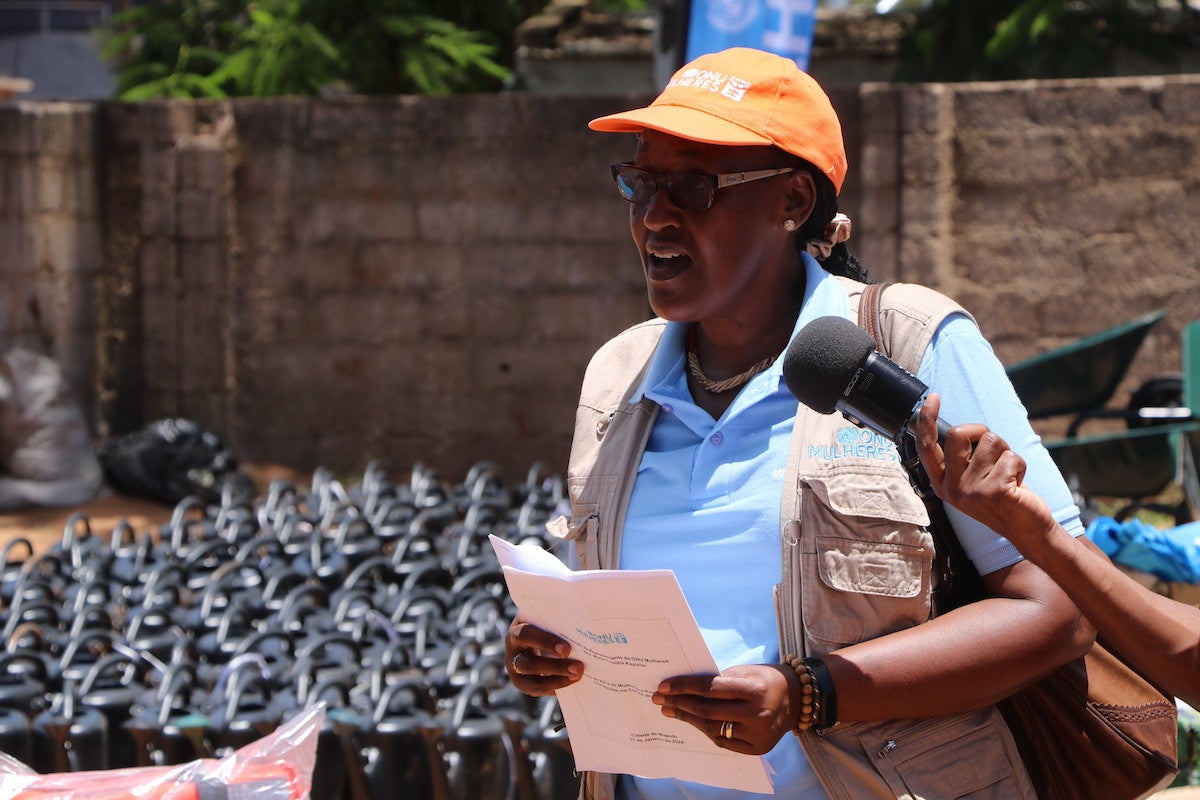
<point>690,191</point>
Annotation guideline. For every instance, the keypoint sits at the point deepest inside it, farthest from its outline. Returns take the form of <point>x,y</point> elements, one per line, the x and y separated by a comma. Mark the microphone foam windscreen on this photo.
<point>821,360</point>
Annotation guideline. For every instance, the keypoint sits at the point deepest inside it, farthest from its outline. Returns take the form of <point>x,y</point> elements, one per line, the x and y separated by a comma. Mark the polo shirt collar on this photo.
<point>823,296</point>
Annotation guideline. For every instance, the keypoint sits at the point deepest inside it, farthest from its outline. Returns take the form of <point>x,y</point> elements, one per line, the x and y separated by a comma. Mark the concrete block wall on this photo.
<point>50,234</point>
<point>1052,210</point>
<point>409,279</point>
<point>327,282</point>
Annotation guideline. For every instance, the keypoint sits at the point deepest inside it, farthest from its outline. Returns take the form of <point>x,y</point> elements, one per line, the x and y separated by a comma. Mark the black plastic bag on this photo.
<point>171,459</point>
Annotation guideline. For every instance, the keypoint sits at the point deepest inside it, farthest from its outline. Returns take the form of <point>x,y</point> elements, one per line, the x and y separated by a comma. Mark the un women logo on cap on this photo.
<point>731,16</point>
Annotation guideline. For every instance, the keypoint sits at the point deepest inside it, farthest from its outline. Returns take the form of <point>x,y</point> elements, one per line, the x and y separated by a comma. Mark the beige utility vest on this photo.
<point>857,560</point>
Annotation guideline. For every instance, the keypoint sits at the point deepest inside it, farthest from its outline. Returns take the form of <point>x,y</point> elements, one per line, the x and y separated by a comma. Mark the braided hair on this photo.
<point>841,261</point>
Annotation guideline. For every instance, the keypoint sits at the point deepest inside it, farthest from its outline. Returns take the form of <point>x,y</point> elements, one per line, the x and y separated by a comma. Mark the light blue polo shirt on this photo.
<point>706,502</point>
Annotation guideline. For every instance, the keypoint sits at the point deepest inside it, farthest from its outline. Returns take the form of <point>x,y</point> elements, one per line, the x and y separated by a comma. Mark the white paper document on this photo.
<point>630,629</point>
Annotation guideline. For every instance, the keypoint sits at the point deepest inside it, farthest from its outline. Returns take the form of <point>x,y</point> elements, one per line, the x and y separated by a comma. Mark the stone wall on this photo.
<point>332,281</point>
<point>326,282</point>
<point>1050,209</point>
<point>50,234</point>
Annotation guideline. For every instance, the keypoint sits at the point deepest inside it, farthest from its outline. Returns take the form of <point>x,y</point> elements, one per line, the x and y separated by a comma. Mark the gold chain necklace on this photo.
<point>720,387</point>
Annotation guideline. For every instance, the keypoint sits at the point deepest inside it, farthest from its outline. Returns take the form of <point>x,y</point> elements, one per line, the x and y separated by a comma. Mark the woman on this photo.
<point>977,472</point>
<point>690,454</point>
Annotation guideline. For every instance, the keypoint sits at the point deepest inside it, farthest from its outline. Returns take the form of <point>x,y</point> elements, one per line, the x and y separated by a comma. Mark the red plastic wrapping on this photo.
<point>278,766</point>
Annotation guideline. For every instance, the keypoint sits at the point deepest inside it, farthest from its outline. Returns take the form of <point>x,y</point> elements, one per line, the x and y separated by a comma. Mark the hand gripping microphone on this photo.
<point>832,365</point>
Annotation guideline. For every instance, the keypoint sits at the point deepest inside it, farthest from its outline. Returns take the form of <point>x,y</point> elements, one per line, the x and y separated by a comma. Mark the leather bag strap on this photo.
<point>957,581</point>
<point>868,312</point>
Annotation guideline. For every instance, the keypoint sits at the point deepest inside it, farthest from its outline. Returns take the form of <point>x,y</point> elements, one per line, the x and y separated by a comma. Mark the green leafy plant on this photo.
<point>620,6</point>
<point>279,53</point>
<point>400,50</point>
<point>227,48</point>
<point>959,40</point>
<point>170,49</point>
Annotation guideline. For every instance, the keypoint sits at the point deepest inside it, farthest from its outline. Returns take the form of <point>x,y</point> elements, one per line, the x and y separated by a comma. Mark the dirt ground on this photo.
<point>42,527</point>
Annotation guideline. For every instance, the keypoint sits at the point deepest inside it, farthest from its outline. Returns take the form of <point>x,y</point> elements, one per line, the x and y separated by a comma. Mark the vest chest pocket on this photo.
<point>856,589</point>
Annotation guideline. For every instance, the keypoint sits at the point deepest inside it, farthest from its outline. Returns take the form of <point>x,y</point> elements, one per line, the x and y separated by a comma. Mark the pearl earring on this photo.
<point>789,225</point>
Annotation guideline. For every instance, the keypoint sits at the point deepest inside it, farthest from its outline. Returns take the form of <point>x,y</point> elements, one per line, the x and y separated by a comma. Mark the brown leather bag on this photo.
<point>1092,728</point>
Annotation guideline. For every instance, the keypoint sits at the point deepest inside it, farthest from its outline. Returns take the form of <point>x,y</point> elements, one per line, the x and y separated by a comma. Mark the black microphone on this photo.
<point>832,365</point>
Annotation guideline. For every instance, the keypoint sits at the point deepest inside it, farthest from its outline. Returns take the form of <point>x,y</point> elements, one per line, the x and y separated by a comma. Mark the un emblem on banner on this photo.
<point>731,16</point>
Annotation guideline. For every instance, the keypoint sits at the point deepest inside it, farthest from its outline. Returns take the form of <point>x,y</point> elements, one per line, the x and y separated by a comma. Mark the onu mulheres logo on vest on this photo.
<point>853,442</point>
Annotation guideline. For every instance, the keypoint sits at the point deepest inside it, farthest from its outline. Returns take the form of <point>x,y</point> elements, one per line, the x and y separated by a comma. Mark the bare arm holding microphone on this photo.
<point>976,472</point>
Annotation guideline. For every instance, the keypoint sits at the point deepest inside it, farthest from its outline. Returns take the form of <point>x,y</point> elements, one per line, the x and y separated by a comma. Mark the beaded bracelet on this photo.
<point>818,703</point>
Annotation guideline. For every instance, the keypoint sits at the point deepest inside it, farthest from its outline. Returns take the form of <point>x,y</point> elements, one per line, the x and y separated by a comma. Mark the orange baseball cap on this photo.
<point>743,96</point>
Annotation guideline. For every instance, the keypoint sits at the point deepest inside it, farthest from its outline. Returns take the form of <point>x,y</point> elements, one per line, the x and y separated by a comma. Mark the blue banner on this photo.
<point>783,27</point>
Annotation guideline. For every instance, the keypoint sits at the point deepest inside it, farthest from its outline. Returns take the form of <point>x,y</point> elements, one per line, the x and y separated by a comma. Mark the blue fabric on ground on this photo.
<point>1172,554</point>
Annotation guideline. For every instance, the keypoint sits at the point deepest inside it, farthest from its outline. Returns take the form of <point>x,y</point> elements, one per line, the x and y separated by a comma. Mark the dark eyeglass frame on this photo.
<point>671,181</point>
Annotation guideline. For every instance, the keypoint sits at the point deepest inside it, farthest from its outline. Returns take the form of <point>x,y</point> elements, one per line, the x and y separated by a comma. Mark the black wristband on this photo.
<point>827,716</point>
